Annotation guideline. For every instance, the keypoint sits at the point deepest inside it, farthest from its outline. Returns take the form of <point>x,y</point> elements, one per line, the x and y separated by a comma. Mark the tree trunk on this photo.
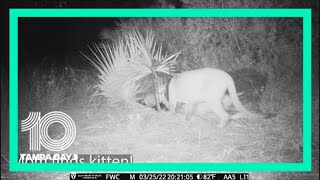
<point>155,82</point>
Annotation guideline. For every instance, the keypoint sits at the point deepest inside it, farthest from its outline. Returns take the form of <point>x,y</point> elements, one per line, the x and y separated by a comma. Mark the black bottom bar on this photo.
<point>160,176</point>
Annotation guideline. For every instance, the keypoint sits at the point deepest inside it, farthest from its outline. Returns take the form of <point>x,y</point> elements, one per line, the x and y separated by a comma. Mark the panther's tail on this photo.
<point>236,102</point>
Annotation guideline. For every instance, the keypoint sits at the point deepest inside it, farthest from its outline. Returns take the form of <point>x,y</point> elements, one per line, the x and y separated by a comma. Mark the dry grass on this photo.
<point>153,136</point>
<point>163,137</point>
<point>48,87</point>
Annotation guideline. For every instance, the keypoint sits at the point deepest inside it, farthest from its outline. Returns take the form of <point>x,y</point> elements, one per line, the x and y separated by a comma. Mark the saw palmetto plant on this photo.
<point>123,64</point>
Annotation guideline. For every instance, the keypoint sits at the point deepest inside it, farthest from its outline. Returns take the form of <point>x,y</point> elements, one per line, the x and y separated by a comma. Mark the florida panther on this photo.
<point>209,86</point>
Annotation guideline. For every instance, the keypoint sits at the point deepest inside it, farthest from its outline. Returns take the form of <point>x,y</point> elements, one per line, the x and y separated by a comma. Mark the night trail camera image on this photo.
<point>169,89</point>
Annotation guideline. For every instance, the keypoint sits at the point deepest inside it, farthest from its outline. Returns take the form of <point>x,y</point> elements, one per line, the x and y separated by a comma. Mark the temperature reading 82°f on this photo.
<point>223,176</point>
<point>208,176</point>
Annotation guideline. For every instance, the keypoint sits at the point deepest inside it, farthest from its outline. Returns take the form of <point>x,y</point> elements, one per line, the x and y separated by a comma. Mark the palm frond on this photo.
<point>122,64</point>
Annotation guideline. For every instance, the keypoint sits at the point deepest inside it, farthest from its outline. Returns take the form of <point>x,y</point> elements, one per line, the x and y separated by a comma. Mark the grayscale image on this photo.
<point>177,90</point>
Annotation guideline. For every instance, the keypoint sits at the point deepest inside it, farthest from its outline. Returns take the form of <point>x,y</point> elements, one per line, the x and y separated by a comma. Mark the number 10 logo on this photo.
<point>38,127</point>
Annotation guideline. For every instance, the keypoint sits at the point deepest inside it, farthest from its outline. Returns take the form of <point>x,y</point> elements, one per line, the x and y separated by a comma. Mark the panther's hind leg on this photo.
<point>221,113</point>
